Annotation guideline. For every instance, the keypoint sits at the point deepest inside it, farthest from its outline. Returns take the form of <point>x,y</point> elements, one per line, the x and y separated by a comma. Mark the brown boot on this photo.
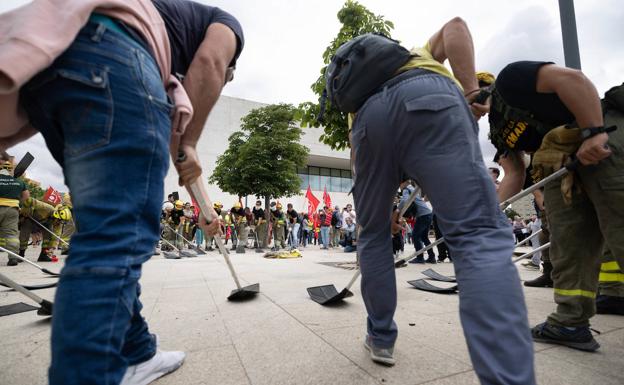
<point>543,280</point>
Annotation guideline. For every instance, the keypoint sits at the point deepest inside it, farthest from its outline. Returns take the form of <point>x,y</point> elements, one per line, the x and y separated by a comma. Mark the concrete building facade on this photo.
<point>326,168</point>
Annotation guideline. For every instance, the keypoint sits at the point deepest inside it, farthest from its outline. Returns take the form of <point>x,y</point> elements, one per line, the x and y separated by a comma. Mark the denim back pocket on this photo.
<point>76,96</point>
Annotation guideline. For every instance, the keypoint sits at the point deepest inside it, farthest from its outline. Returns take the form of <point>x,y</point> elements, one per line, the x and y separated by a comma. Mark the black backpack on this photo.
<point>359,67</point>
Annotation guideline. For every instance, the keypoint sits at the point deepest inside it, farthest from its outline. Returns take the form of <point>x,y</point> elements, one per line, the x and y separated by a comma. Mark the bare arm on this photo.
<point>203,84</point>
<point>454,42</point>
<point>515,173</point>
<point>25,195</point>
<point>579,95</point>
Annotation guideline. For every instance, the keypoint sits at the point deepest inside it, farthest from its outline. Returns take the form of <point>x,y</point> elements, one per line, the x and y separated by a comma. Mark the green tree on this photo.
<point>356,19</point>
<point>263,157</point>
<point>36,191</point>
<point>511,213</point>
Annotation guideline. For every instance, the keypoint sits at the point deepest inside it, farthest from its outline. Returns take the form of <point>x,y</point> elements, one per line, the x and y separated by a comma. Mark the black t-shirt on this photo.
<point>258,213</point>
<point>240,212</point>
<point>175,216</point>
<point>293,216</point>
<point>517,85</point>
<point>186,23</point>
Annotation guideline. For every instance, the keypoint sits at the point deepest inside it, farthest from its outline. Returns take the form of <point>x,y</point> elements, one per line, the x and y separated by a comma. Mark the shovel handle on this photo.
<point>17,287</point>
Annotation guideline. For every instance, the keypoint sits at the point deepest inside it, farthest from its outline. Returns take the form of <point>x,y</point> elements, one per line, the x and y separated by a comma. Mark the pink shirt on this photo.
<point>34,35</point>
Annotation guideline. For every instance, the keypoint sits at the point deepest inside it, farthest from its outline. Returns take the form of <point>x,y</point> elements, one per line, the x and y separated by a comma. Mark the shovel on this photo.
<point>241,292</point>
<point>520,195</point>
<point>327,294</point>
<point>170,255</point>
<point>46,306</point>
<point>43,269</point>
<point>195,247</point>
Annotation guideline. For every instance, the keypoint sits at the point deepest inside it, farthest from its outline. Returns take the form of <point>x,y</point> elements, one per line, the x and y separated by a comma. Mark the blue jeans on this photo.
<point>325,236</point>
<point>294,242</point>
<point>104,114</point>
<point>420,233</point>
<point>199,236</point>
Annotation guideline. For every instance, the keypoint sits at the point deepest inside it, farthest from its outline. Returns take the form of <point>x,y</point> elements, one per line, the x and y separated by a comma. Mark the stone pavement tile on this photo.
<point>189,331</point>
<point>25,363</point>
<point>464,378</point>
<point>218,366</point>
<point>557,368</point>
<point>318,317</point>
<point>441,332</point>
<point>23,327</point>
<point>415,363</point>
<point>275,348</point>
<point>607,361</point>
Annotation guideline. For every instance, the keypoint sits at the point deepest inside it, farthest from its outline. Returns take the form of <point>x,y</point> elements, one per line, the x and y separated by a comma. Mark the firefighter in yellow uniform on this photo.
<point>240,224</point>
<point>44,214</point>
<point>63,225</point>
<point>279,222</point>
<point>12,190</point>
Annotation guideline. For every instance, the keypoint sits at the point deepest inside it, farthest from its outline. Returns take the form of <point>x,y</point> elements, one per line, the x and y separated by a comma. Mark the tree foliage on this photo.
<point>263,157</point>
<point>35,190</point>
<point>356,20</point>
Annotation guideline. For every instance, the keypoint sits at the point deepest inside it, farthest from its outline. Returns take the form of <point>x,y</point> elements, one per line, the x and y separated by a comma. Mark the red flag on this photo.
<point>312,201</point>
<point>52,196</point>
<point>326,198</point>
<point>196,207</point>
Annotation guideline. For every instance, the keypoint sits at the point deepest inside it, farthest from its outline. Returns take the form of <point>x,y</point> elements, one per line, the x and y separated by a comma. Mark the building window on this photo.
<point>319,178</point>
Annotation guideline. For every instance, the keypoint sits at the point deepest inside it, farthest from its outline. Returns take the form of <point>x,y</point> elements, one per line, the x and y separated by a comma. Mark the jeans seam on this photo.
<point>122,282</point>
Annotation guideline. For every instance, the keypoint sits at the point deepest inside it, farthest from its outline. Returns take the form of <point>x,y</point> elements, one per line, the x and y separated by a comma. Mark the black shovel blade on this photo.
<point>199,251</point>
<point>188,254</point>
<point>437,276</point>
<point>171,255</point>
<point>244,293</point>
<point>327,294</point>
<point>422,284</point>
<point>45,309</point>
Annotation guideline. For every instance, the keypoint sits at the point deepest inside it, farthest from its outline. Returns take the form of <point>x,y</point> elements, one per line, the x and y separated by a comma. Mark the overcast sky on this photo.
<point>286,38</point>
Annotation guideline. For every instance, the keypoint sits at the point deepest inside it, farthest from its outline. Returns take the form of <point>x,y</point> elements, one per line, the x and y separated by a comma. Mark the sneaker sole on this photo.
<point>591,346</point>
<point>381,360</point>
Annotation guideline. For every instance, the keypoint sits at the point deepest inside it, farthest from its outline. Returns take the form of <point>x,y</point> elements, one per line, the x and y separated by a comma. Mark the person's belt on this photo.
<point>404,76</point>
<point>121,28</point>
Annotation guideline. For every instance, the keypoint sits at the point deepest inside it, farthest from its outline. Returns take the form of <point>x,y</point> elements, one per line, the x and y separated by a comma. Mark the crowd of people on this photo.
<point>250,228</point>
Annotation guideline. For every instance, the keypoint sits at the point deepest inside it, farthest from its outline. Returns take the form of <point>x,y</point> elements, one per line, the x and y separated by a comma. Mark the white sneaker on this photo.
<point>162,363</point>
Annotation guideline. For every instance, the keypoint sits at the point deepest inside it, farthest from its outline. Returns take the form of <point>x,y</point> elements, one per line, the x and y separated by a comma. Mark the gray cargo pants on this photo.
<point>423,128</point>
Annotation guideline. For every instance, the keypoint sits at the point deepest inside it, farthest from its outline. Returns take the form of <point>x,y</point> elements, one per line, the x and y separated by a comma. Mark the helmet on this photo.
<point>278,205</point>
<point>237,205</point>
<point>168,206</point>
<point>485,78</point>
<point>6,165</point>
<point>217,205</point>
<point>179,204</point>
<point>63,213</point>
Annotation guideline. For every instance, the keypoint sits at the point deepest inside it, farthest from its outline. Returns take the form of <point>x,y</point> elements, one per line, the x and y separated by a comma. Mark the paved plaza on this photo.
<point>282,337</point>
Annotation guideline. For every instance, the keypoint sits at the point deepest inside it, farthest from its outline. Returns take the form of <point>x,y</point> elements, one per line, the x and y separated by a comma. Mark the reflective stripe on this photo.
<point>611,277</point>
<point>610,266</point>
<point>575,293</point>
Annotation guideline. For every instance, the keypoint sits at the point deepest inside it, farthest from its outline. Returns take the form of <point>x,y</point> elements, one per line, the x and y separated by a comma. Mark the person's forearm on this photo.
<point>203,86</point>
<point>510,185</point>
<point>454,42</point>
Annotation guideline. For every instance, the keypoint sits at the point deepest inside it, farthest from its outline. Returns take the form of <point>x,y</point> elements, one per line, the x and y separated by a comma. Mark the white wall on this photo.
<point>225,120</point>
